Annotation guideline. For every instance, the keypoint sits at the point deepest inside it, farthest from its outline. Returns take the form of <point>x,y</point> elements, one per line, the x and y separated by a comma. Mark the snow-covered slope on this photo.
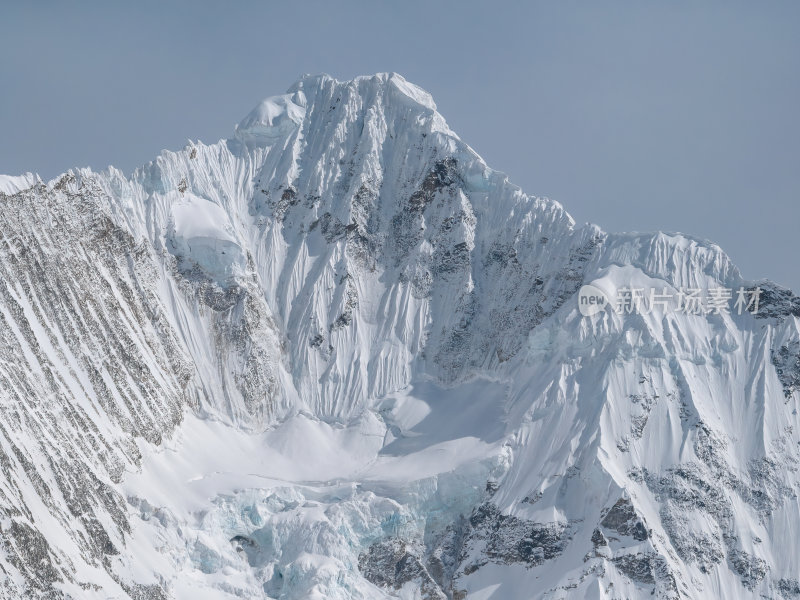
<point>338,356</point>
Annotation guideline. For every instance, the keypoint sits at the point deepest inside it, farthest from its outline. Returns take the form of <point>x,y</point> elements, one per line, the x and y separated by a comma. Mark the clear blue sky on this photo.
<point>676,114</point>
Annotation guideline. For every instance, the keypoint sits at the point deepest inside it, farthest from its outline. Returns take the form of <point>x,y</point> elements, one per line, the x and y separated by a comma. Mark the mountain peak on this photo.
<point>365,83</point>
<point>273,117</point>
<point>338,356</point>
<point>277,116</point>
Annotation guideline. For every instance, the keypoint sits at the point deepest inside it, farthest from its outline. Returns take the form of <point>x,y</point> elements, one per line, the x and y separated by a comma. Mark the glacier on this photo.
<point>338,356</point>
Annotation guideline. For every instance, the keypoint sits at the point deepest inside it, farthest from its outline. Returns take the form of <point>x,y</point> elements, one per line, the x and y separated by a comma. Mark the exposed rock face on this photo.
<point>506,539</point>
<point>649,569</point>
<point>787,364</point>
<point>286,365</point>
<point>623,520</point>
<point>391,564</point>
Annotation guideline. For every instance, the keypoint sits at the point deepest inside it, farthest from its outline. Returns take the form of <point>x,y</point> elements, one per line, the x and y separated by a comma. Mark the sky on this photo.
<point>638,115</point>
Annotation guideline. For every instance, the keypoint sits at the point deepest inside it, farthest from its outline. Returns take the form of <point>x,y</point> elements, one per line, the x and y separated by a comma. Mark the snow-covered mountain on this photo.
<point>337,356</point>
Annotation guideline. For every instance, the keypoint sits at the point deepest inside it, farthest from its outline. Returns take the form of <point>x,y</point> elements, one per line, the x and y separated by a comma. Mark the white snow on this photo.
<point>11,184</point>
<point>273,118</point>
<point>414,92</point>
<point>201,232</point>
<point>372,334</point>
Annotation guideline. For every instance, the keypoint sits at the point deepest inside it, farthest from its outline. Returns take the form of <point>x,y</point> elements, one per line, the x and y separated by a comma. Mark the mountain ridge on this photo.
<point>337,355</point>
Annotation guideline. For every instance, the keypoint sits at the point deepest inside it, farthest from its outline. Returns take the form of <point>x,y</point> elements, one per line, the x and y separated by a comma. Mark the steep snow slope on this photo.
<point>337,356</point>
